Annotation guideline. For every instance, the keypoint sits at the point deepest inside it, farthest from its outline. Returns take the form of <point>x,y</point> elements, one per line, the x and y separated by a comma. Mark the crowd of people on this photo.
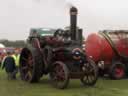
<point>10,63</point>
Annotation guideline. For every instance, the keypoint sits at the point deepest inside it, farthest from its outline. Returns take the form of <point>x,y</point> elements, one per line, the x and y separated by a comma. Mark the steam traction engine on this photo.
<point>57,53</point>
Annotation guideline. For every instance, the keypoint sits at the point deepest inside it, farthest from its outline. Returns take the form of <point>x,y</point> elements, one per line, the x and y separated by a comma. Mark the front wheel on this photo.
<point>59,75</point>
<point>90,73</point>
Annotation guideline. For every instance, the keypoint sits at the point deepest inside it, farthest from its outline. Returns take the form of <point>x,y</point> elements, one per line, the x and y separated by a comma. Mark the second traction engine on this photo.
<point>109,49</point>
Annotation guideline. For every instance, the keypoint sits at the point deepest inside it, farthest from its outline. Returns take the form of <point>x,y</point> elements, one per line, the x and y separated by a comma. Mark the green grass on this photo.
<point>43,88</point>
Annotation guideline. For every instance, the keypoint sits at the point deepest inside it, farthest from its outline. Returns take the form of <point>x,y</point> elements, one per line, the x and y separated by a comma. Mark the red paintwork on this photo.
<point>119,72</point>
<point>99,48</point>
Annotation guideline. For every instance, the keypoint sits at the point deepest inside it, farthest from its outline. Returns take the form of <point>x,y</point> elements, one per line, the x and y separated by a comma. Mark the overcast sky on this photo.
<point>18,16</point>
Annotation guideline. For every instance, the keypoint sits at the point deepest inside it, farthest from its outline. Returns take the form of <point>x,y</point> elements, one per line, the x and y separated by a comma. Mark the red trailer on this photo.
<point>109,49</point>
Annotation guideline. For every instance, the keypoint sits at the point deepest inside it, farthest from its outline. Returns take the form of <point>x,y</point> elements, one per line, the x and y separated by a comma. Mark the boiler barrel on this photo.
<point>106,45</point>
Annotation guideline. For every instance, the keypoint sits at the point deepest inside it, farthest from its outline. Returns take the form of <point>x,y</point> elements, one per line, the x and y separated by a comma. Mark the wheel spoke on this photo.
<point>93,77</point>
<point>28,75</point>
<point>85,77</point>
<point>90,79</point>
<point>91,70</point>
<point>30,61</point>
<point>24,58</point>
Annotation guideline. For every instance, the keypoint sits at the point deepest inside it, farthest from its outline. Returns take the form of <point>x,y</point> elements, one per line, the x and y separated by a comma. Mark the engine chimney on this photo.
<point>73,22</point>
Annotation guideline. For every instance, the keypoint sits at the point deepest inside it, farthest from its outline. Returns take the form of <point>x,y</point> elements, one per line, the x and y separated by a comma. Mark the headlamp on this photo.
<point>76,53</point>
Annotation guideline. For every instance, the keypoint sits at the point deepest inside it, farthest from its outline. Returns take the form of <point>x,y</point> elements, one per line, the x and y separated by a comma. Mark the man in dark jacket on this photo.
<point>10,67</point>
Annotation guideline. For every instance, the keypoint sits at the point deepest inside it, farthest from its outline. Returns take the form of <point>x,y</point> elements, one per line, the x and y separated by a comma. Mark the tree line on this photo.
<point>16,43</point>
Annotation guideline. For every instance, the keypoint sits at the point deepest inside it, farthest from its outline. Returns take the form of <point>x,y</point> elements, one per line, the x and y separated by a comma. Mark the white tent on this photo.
<point>2,46</point>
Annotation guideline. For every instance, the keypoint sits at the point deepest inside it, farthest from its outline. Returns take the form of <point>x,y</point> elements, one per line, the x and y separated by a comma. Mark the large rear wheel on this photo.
<point>30,65</point>
<point>59,75</point>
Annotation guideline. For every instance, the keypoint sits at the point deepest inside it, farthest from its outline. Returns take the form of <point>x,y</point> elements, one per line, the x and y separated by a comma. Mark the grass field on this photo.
<point>43,88</point>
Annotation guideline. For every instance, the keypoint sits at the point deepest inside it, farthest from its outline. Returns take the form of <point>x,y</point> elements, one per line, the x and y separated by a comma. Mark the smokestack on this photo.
<point>73,22</point>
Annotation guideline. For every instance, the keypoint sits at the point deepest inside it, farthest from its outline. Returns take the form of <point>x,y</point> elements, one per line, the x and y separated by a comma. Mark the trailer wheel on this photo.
<point>91,74</point>
<point>30,65</point>
<point>59,75</point>
<point>117,71</point>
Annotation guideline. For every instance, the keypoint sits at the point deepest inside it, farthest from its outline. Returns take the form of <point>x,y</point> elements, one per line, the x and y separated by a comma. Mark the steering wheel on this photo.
<point>59,34</point>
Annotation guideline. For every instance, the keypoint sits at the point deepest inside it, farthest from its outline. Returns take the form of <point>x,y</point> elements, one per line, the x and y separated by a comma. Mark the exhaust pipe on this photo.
<point>73,22</point>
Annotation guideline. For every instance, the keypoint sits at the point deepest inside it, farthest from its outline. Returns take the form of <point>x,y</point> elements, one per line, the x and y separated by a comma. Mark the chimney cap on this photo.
<point>73,9</point>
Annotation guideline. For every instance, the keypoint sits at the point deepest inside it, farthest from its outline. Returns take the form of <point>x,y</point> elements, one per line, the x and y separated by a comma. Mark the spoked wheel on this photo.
<point>90,73</point>
<point>59,75</point>
<point>117,71</point>
<point>29,65</point>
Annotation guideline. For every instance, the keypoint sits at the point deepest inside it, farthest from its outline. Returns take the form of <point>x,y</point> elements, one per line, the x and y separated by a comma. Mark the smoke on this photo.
<point>69,3</point>
<point>18,16</point>
<point>38,1</point>
<point>66,3</point>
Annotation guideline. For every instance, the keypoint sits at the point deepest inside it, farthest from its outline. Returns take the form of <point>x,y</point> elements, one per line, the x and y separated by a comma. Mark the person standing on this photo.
<point>9,64</point>
<point>16,57</point>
